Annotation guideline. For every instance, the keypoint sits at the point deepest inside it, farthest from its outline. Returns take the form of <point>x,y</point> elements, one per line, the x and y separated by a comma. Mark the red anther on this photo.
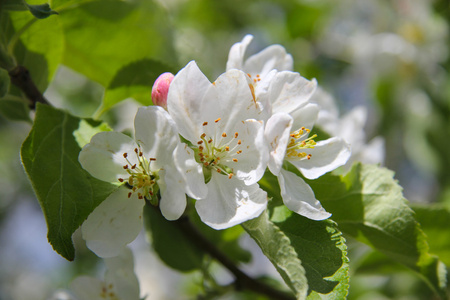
<point>217,120</point>
<point>205,123</point>
<point>203,135</point>
<point>129,194</point>
<point>125,155</point>
<point>136,150</point>
<point>199,142</point>
<point>140,153</point>
<point>121,179</point>
<point>152,159</point>
<point>210,141</point>
<point>125,167</point>
<point>133,166</point>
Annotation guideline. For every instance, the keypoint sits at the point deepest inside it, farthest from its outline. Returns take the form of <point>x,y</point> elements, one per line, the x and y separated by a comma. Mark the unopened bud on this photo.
<point>161,89</point>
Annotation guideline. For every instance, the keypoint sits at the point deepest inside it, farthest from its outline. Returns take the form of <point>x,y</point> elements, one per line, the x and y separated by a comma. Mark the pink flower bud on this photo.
<point>161,89</point>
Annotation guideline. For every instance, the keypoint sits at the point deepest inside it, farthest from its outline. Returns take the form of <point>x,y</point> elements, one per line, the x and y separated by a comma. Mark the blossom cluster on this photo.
<point>213,141</point>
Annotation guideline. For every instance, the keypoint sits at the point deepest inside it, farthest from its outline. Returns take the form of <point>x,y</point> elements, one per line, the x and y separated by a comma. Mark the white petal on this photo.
<point>113,224</point>
<point>299,197</point>
<point>305,116</point>
<point>230,202</point>
<point>173,197</point>
<point>156,133</point>
<point>277,132</point>
<point>190,171</point>
<point>252,162</point>
<point>326,156</point>
<point>272,57</point>
<point>289,91</point>
<point>229,99</point>
<point>120,275</point>
<point>184,101</point>
<point>87,288</point>
<point>237,52</point>
<point>103,156</point>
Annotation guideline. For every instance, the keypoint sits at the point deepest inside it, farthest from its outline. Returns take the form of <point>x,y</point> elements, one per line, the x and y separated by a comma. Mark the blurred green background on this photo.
<point>390,56</point>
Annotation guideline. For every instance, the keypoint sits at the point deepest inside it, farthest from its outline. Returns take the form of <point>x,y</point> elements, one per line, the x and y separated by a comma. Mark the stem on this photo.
<point>243,281</point>
<point>20,77</point>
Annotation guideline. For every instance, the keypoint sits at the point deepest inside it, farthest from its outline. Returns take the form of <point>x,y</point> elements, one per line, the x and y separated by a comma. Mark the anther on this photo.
<point>230,175</point>
<point>125,155</point>
<point>239,152</point>
<point>129,194</point>
<point>235,160</point>
<point>210,141</point>
<point>136,150</point>
<point>239,142</point>
<point>227,148</point>
<point>140,153</point>
<point>199,142</point>
<point>224,134</point>
<point>125,167</point>
<point>205,123</point>
<point>121,179</point>
<point>133,166</point>
<point>309,156</point>
<point>236,135</point>
<point>203,135</point>
<point>217,120</point>
<point>152,159</point>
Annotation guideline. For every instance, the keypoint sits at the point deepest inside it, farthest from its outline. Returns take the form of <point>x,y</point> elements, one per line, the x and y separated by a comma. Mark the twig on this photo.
<point>20,77</point>
<point>243,281</point>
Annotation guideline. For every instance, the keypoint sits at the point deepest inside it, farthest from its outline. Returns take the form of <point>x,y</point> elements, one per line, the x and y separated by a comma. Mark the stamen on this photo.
<point>125,155</point>
<point>205,123</point>
<point>230,175</point>
<point>224,134</point>
<point>121,179</point>
<point>235,159</point>
<point>199,142</point>
<point>239,142</point>
<point>125,167</point>
<point>236,135</point>
<point>227,148</point>
<point>217,120</point>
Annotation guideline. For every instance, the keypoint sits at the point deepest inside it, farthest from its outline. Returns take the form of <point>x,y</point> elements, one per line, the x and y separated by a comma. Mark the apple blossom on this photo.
<point>229,147</point>
<point>311,158</point>
<point>143,167</point>
<point>120,282</point>
<point>273,84</point>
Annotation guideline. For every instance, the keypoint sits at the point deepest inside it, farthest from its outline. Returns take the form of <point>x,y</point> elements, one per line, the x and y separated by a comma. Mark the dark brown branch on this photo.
<point>243,281</point>
<point>20,77</point>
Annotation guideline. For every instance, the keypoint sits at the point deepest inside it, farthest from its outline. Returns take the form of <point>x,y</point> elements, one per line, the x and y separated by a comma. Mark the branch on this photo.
<point>20,77</point>
<point>243,281</point>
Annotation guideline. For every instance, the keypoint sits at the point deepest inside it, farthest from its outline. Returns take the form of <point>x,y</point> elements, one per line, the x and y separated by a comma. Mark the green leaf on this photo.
<point>104,36</point>
<point>179,251</point>
<point>321,250</point>
<point>276,245</point>
<point>4,82</point>
<point>434,220</point>
<point>14,108</point>
<point>368,204</point>
<point>41,11</point>
<point>66,192</point>
<point>169,242</point>
<point>134,81</point>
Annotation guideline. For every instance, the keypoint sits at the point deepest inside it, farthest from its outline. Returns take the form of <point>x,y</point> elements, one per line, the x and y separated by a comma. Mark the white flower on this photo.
<point>120,281</point>
<point>274,87</point>
<point>146,165</point>
<point>230,147</point>
<point>310,158</point>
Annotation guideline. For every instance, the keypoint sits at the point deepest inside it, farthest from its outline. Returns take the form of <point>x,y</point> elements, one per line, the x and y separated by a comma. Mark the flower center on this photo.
<point>218,151</point>
<point>142,180</point>
<point>253,84</point>
<point>298,143</point>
